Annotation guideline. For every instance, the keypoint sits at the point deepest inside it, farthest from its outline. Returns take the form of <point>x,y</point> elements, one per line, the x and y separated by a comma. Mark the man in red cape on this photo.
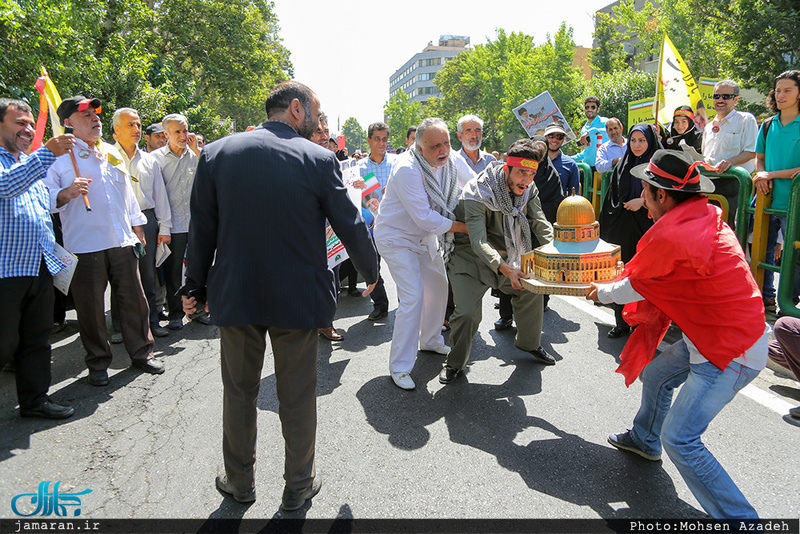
<point>688,268</point>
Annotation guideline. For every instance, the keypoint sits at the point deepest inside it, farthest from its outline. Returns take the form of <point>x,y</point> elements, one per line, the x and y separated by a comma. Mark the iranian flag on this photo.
<point>372,185</point>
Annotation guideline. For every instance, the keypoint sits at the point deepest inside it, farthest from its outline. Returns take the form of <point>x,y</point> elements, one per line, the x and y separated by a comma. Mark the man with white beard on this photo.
<point>470,132</point>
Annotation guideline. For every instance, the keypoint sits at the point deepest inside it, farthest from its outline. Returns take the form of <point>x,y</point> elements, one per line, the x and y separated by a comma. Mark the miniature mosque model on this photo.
<point>576,257</point>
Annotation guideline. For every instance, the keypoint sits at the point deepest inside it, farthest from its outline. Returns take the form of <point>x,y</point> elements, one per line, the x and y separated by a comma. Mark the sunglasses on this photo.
<point>728,96</point>
<point>589,107</point>
<point>556,136</point>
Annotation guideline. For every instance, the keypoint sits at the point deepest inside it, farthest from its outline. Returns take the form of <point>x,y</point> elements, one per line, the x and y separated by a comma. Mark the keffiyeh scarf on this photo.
<point>443,198</point>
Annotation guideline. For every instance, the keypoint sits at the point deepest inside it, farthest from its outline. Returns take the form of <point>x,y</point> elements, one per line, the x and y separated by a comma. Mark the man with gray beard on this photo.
<point>470,132</point>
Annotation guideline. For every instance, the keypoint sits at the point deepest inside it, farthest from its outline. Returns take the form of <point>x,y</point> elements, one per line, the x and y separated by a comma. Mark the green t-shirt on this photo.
<point>781,151</point>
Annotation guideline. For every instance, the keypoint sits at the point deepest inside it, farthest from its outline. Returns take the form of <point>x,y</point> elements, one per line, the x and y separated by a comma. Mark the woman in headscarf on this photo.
<point>623,217</point>
<point>683,129</point>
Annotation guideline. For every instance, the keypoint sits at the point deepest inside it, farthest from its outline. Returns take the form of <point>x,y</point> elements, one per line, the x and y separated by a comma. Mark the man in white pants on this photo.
<point>413,229</point>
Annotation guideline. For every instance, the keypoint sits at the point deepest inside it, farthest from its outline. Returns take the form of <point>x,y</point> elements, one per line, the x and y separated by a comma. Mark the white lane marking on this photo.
<point>764,398</point>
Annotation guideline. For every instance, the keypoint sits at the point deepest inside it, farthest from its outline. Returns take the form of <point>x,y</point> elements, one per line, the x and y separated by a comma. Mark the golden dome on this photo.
<point>575,210</point>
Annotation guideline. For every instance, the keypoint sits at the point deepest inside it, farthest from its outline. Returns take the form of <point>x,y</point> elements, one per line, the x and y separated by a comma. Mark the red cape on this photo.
<point>690,269</point>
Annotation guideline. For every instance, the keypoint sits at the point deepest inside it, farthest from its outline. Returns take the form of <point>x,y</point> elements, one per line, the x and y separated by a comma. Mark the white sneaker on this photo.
<point>444,350</point>
<point>403,381</point>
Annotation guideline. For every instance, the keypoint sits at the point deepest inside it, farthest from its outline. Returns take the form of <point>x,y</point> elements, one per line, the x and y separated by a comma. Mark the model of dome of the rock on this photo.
<point>577,255</point>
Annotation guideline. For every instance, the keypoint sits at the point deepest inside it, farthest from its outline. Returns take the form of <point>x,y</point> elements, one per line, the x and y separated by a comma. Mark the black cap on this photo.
<point>673,170</point>
<point>154,128</point>
<point>77,103</point>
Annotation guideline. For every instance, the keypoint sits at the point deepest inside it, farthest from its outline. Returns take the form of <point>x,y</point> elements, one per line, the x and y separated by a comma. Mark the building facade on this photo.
<point>416,75</point>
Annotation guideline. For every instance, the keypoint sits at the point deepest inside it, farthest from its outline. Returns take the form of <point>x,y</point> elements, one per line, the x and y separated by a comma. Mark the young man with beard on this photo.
<point>502,213</point>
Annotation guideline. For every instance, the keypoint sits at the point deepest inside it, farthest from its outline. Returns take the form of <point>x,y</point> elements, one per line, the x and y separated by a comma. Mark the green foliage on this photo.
<point>751,41</point>
<point>608,56</point>
<point>355,136</point>
<point>492,79</point>
<point>214,61</point>
<point>401,114</point>
<point>616,89</point>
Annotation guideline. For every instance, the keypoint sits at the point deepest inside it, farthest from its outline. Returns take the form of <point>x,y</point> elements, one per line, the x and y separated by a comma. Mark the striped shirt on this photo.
<point>26,230</point>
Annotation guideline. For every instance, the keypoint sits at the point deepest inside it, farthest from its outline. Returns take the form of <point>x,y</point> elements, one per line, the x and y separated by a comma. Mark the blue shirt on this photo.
<point>26,230</point>
<point>380,170</point>
<point>596,127</point>
<point>607,153</point>
<point>781,151</point>
<point>484,159</point>
<point>568,172</point>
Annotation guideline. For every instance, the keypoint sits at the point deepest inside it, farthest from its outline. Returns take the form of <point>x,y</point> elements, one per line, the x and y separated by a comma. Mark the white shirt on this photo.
<point>148,186</point>
<point>114,206</point>
<point>405,215</point>
<point>622,292</point>
<point>178,173</point>
<point>737,133</point>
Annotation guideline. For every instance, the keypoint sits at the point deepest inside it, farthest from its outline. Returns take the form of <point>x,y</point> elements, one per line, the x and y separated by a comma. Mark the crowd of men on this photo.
<point>449,225</point>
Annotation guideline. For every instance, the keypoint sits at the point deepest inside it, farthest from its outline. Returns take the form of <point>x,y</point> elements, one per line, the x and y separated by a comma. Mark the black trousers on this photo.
<point>173,267</point>
<point>147,269</point>
<point>26,307</point>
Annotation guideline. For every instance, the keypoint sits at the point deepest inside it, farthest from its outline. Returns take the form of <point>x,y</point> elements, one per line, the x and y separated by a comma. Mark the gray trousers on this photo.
<point>295,354</point>
<point>470,281</point>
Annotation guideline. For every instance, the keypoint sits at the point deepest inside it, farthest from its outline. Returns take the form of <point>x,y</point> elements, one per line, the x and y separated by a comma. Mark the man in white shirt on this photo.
<point>178,162</point>
<point>415,214</point>
<point>728,140</point>
<point>104,239</point>
<point>470,132</point>
<point>151,195</point>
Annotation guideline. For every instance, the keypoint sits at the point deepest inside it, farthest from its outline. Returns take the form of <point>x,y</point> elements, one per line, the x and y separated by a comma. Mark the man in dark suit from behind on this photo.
<point>258,208</point>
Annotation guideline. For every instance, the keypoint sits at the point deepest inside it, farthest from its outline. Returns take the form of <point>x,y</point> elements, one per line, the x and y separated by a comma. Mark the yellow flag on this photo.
<point>676,86</point>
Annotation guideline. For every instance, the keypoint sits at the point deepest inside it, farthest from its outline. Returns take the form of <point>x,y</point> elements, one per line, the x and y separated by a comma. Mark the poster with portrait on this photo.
<point>537,113</point>
<point>336,251</point>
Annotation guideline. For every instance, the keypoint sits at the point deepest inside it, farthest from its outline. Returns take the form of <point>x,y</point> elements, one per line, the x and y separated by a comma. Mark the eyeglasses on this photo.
<point>727,96</point>
<point>556,136</point>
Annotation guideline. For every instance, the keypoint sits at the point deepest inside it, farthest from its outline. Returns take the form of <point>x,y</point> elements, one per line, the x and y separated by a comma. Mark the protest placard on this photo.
<point>540,111</point>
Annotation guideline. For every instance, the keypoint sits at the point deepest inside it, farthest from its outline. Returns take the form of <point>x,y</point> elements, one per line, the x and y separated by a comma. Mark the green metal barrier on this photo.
<point>586,181</point>
<point>789,256</point>
<point>745,192</point>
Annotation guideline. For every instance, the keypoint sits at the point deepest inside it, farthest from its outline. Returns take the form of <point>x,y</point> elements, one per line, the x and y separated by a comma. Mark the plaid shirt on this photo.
<point>26,230</point>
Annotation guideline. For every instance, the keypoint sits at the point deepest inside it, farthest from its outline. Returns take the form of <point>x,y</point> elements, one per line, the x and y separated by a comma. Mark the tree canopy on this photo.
<point>214,61</point>
<point>354,135</point>
<point>401,113</point>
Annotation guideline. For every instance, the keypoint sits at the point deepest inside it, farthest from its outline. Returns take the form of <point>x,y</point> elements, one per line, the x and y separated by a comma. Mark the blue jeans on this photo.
<point>706,391</point>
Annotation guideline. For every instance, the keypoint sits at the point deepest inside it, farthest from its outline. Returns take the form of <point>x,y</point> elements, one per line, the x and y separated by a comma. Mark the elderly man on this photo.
<point>688,268</point>
<point>414,226</point>
<point>593,132</point>
<point>378,164</point>
<point>565,165</point>
<point>503,214</point>
<point>470,132</point>
<point>154,137</point>
<point>151,195</point>
<point>728,140</point>
<point>106,240</point>
<point>27,258</point>
<point>612,150</point>
<point>178,163</point>
<point>273,180</point>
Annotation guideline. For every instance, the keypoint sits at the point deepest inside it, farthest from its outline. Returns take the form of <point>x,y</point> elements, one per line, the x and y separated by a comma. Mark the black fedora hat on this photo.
<point>673,170</point>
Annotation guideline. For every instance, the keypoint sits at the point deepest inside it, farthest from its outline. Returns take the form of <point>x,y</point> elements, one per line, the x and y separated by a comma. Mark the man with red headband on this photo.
<point>502,212</point>
<point>688,268</point>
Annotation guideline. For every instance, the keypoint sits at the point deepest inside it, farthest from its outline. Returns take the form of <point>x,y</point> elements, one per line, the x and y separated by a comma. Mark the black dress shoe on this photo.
<point>377,314</point>
<point>542,357</point>
<point>48,410</point>
<point>296,498</point>
<point>227,488</point>
<point>98,378</point>
<point>153,366</point>
<point>158,331</point>
<point>448,374</point>
<point>503,324</point>
<point>618,331</point>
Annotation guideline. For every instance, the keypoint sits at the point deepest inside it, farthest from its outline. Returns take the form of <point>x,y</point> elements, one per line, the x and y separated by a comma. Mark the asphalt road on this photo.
<point>509,439</point>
